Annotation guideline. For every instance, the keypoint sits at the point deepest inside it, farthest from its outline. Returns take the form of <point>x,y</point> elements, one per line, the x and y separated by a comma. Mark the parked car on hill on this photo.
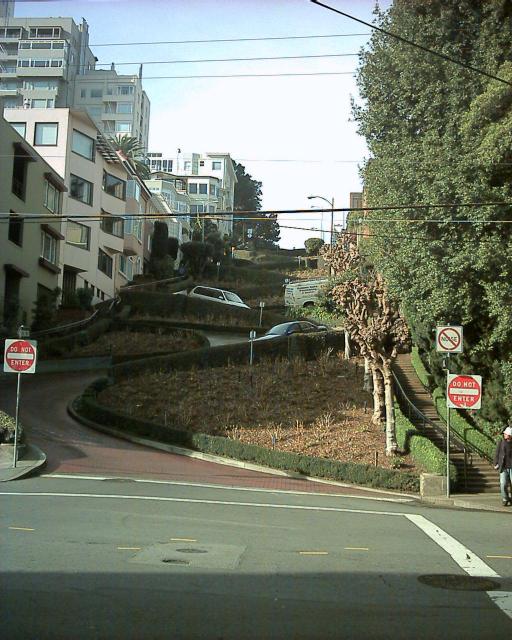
<point>214,295</point>
<point>289,328</point>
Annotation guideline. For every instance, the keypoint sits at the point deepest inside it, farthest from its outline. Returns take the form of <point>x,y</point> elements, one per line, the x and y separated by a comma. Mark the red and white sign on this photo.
<point>449,339</point>
<point>464,392</point>
<point>20,356</point>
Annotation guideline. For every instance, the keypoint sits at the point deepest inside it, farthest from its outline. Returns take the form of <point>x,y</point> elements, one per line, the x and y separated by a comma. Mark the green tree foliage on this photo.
<point>161,262</point>
<point>172,247</point>
<point>130,149</point>
<point>313,246</point>
<point>218,245</point>
<point>45,309</point>
<point>259,229</point>
<point>160,240</point>
<point>440,133</point>
<point>196,256</point>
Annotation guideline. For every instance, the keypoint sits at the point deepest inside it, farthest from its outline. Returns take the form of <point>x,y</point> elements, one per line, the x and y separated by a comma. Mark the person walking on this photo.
<point>503,464</point>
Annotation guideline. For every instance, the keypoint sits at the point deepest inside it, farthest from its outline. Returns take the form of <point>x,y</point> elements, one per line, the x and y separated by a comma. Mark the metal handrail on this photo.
<point>154,283</point>
<point>454,440</point>
<point>78,324</point>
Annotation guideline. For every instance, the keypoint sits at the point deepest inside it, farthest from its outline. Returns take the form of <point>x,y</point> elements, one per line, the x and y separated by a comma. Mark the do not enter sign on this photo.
<point>464,392</point>
<point>20,356</point>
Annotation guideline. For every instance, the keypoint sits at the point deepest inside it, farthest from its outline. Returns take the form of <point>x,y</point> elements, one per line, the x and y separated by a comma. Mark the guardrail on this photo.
<point>412,409</point>
<point>155,283</point>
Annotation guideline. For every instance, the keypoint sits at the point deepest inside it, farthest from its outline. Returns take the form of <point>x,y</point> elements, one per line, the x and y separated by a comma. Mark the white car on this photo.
<point>215,295</point>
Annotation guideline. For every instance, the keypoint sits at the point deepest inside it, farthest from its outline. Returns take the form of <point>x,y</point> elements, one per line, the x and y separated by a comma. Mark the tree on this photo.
<point>161,264</point>
<point>441,133</point>
<point>373,322</point>
<point>313,246</point>
<point>259,228</point>
<point>130,149</point>
<point>196,256</point>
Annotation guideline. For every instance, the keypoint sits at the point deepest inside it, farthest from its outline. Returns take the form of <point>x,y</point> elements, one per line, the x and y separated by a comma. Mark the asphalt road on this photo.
<point>88,559</point>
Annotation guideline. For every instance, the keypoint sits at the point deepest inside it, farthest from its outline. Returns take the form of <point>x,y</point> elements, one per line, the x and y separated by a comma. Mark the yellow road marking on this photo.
<point>21,529</point>
<point>505,557</point>
<point>357,549</point>
<point>183,540</point>
<point>313,553</point>
<point>129,548</point>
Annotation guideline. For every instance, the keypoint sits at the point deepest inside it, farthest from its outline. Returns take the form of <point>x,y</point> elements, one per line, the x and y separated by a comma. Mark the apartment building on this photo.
<point>31,197</point>
<point>6,8</point>
<point>40,59</point>
<point>210,179</point>
<point>95,203</point>
<point>172,190</point>
<point>117,103</point>
<point>47,63</point>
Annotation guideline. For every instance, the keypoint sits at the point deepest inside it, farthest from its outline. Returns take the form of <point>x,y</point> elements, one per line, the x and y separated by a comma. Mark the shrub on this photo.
<point>7,429</point>
<point>45,309</point>
<point>422,450</point>
<point>85,296</point>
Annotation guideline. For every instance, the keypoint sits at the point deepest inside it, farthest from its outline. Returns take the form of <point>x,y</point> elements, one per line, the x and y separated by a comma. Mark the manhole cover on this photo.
<point>459,583</point>
<point>192,550</point>
<point>174,561</point>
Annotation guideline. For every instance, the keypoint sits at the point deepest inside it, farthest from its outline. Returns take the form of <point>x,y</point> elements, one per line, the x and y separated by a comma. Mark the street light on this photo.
<point>331,204</point>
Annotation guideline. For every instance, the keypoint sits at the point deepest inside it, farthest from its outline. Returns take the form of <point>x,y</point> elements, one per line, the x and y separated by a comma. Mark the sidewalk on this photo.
<point>30,458</point>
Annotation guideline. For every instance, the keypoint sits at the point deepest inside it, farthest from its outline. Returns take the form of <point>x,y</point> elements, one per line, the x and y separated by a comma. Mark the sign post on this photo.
<point>262,305</point>
<point>20,356</point>
<point>252,336</point>
<point>448,341</point>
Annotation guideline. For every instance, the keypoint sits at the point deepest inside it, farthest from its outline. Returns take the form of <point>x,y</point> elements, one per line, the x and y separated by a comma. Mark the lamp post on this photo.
<point>331,204</point>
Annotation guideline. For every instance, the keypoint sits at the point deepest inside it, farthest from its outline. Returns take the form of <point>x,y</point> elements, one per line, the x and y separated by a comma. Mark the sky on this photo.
<point>295,134</point>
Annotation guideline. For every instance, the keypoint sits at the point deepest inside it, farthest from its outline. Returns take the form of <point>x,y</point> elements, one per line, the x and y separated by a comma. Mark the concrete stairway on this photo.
<point>480,477</point>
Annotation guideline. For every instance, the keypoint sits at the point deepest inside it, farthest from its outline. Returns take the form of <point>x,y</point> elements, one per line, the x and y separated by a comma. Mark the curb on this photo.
<point>464,504</point>
<point>19,472</point>
<point>207,457</point>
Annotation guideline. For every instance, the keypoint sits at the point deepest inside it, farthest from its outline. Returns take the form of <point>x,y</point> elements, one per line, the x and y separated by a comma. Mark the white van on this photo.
<point>304,293</point>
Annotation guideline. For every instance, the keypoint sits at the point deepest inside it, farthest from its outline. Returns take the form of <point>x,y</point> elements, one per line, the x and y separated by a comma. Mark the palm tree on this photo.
<point>129,148</point>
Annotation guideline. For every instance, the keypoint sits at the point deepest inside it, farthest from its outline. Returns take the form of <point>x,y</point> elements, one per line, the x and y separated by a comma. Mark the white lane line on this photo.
<point>465,558</point>
<point>47,494</point>
<point>225,487</point>
<point>503,600</point>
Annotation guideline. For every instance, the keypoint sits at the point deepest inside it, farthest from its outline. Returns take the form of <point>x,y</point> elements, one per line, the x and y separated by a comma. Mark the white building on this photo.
<point>210,181</point>
<point>95,202</point>
<point>173,191</point>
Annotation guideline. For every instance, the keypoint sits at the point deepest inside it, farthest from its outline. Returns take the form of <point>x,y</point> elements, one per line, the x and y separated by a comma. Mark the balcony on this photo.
<point>132,246</point>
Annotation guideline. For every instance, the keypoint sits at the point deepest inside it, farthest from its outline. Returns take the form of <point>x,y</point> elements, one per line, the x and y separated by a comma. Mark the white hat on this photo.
<point>508,431</point>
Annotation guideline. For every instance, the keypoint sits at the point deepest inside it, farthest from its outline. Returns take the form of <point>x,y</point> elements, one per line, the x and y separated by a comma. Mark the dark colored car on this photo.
<point>289,328</point>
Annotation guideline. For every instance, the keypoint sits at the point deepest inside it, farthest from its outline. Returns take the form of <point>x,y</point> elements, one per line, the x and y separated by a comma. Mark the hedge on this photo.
<point>164,304</point>
<point>88,406</point>
<point>7,428</point>
<point>60,346</point>
<point>307,346</point>
<point>484,445</point>
<point>422,450</point>
<point>466,432</point>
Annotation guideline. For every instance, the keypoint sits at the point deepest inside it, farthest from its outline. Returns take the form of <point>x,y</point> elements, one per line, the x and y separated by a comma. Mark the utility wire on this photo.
<point>231,75</point>
<point>414,44</point>
<point>201,60</point>
<point>208,41</point>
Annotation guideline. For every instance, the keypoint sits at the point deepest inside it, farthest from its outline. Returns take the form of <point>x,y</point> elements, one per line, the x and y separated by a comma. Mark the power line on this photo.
<point>235,75</point>
<point>414,44</point>
<point>214,40</point>
<point>201,60</point>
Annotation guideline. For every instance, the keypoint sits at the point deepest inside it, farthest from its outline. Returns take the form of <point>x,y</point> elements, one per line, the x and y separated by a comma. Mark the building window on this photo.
<point>216,165</point>
<point>110,107</point>
<point>126,266</point>
<point>96,93</point>
<point>203,189</point>
<point>114,186</point>
<point>45,134</point>
<point>83,145</point>
<point>124,107</point>
<point>20,127</point>
<point>125,90</point>
<point>49,248</point>
<point>192,187</point>
<point>187,165</point>
<point>19,176</point>
<point>15,233</point>
<point>212,190</point>
<point>112,224</point>
<point>104,263</point>
<point>94,112</point>
<point>42,103</point>
<point>80,189</point>
<point>51,197</point>
<point>123,127</point>
<point>83,93</point>
<point>78,235</point>
<point>44,32</point>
